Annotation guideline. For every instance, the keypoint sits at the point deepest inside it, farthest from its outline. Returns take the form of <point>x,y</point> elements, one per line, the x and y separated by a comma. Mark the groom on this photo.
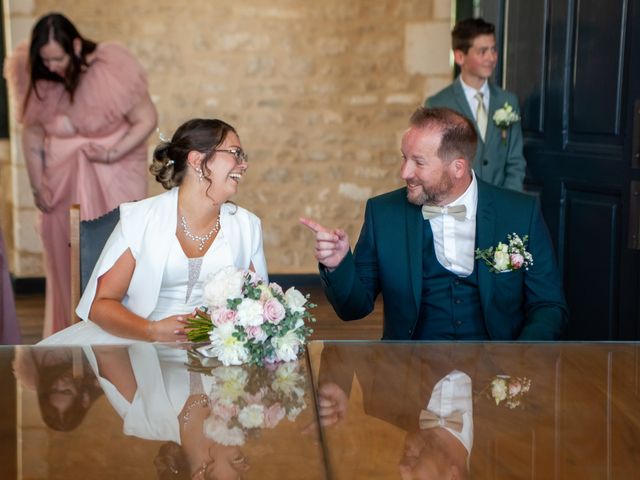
<point>417,248</point>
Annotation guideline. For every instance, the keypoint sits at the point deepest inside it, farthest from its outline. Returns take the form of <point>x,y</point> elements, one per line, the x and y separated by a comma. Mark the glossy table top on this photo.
<point>345,410</point>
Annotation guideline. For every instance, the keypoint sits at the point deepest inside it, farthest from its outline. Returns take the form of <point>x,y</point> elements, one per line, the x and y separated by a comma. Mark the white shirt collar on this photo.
<point>469,198</point>
<point>470,91</point>
<point>451,394</point>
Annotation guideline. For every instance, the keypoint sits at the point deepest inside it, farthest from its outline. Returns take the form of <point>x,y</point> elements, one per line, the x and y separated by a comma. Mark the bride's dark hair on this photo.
<point>169,164</point>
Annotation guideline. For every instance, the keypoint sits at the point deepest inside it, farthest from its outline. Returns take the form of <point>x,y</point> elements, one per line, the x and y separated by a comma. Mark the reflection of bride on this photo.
<point>158,399</point>
<point>150,273</point>
<point>63,380</point>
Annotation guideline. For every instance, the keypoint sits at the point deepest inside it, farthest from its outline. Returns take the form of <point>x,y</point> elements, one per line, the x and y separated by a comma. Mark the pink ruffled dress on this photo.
<point>111,86</point>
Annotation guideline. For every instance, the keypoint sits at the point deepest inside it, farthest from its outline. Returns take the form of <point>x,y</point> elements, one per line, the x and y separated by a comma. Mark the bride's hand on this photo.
<point>170,329</point>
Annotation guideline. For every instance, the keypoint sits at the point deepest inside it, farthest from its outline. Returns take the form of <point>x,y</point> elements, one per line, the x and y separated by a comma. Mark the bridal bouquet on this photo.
<point>245,399</point>
<point>245,320</point>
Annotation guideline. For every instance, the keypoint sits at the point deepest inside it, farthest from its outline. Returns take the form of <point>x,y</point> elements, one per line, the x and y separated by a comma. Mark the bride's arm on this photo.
<point>108,311</point>
<point>114,365</point>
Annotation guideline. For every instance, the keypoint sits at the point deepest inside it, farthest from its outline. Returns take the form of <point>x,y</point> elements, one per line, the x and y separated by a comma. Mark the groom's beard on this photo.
<point>432,195</point>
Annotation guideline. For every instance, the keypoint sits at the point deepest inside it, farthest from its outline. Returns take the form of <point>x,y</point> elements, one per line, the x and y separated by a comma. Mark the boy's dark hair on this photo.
<point>467,30</point>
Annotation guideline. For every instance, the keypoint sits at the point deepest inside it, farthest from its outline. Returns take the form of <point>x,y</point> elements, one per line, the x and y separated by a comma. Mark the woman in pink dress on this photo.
<point>86,114</point>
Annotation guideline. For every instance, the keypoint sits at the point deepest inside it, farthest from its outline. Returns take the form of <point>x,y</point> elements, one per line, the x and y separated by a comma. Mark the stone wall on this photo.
<point>320,93</point>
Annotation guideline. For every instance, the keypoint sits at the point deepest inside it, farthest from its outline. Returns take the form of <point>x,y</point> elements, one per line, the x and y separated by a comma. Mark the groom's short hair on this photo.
<point>466,31</point>
<point>459,138</point>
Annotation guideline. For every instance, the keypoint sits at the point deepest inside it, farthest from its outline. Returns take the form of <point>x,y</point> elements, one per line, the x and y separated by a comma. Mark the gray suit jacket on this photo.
<point>499,162</point>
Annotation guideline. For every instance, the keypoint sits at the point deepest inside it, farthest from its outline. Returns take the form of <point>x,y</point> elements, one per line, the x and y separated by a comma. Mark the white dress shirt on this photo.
<point>470,94</point>
<point>454,240</point>
<point>454,394</point>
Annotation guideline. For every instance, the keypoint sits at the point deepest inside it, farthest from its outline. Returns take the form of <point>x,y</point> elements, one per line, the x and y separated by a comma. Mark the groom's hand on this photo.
<point>331,245</point>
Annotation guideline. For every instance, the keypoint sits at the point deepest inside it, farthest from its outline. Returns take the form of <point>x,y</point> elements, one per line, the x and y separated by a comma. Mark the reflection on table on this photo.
<point>347,410</point>
<point>543,411</point>
<point>162,412</point>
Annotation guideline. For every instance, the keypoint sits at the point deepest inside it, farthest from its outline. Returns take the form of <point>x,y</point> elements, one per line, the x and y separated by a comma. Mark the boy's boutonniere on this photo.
<point>507,257</point>
<point>505,117</point>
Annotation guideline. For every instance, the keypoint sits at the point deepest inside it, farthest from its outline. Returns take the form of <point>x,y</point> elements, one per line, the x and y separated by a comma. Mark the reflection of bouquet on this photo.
<point>248,398</point>
<point>507,257</point>
<point>510,390</point>
<point>247,321</point>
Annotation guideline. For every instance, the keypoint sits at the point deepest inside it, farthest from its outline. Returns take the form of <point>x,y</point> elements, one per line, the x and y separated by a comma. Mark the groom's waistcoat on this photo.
<point>450,306</point>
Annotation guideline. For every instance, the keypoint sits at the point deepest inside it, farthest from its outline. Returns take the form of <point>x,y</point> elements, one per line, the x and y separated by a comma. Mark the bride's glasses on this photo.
<point>237,153</point>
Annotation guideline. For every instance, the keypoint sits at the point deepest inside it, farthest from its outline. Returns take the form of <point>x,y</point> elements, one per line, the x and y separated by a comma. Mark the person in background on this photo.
<point>86,114</point>
<point>499,159</point>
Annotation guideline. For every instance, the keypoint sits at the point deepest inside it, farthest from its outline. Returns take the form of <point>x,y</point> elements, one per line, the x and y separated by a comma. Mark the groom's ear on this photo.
<point>458,167</point>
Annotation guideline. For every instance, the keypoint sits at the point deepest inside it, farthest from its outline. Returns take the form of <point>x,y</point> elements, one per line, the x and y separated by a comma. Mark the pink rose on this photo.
<point>273,311</point>
<point>224,412</point>
<point>516,260</point>
<point>256,333</point>
<point>514,388</point>
<point>273,415</point>
<point>220,316</point>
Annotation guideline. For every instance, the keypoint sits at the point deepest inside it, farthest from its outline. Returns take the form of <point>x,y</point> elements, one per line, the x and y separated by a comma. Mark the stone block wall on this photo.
<point>320,93</point>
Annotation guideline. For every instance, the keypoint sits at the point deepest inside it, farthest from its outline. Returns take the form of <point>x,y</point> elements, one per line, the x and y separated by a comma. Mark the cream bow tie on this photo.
<point>431,420</point>
<point>459,212</point>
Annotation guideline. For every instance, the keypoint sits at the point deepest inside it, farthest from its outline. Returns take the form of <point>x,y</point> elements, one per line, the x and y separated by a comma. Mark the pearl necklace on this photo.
<point>201,239</point>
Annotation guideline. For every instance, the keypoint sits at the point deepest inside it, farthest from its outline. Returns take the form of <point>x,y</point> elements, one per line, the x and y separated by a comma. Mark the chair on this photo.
<point>88,238</point>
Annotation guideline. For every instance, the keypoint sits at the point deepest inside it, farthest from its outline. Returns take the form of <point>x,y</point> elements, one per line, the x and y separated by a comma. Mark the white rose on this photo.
<point>249,313</point>
<point>501,260</point>
<point>499,390</point>
<point>287,346</point>
<point>225,284</point>
<point>219,432</point>
<point>251,416</point>
<point>295,300</point>
<point>499,116</point>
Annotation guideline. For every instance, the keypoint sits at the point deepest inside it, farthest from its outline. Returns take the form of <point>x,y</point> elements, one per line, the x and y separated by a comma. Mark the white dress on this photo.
<point>160,280</point>
<point>176,296</point>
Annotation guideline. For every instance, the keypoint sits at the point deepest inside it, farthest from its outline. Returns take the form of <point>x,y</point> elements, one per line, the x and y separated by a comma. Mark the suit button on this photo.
<point>486,162</point>
<point>458,301</point>
<point>456,282</point>
<point>458,323</point>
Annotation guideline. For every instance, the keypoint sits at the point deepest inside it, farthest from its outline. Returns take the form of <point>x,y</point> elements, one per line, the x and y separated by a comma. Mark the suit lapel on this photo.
<point>485,238</point>
<point>495,102</point>
<point>462,102</point>
<point>414,222</point>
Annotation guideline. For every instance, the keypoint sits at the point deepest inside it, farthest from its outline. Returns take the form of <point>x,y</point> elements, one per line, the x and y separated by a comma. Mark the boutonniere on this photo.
<point>507,256</point>
<point>505,117</point>
<point>510,390</point>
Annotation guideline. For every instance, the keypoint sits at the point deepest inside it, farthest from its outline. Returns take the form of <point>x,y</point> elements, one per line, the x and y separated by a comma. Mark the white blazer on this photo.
<point>146,228</point>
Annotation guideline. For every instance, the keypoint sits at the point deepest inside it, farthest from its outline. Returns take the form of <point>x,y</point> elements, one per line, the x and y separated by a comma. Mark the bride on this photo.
<point>150,275</point>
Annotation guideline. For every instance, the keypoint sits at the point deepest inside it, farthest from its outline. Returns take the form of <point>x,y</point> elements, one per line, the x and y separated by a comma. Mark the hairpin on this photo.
<point>161,136</point>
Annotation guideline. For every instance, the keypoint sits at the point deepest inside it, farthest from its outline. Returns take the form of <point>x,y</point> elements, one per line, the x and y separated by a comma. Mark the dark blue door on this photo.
<point>575,65</point>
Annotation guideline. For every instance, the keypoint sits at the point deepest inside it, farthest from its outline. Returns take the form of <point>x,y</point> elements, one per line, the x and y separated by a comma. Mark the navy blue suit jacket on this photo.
<point>521,304</point>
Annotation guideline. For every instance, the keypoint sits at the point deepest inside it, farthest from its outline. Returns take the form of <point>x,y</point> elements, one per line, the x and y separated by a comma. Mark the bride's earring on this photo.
<point>200,174</point>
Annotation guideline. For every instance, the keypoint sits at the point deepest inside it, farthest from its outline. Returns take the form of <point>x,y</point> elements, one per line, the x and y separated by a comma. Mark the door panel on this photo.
<point>575,66</point>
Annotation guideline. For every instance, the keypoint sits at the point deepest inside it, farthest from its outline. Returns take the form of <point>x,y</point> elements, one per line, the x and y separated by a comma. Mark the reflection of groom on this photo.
<point>408,387</point>
<point>431,284</point>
